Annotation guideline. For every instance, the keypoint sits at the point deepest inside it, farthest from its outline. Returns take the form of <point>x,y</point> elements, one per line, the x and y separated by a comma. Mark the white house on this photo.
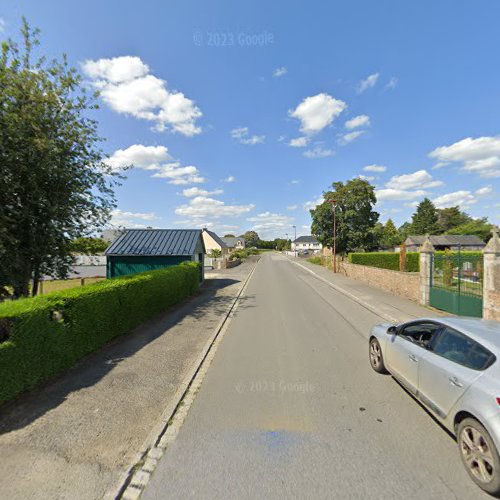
<point>309,243</point>
<point>234,243</point>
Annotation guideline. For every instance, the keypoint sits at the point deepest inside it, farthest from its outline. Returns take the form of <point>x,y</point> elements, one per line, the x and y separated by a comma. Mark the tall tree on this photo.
<point>356,218</point>
<point>390,235</point>
<point>479,227</point>
<point>251,239</point>
<point>425,219</point>
<point>451,217</point>
<point>54,185</point>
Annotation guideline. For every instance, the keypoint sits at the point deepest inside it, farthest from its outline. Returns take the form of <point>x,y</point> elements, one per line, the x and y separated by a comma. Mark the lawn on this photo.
<point>57,285</point>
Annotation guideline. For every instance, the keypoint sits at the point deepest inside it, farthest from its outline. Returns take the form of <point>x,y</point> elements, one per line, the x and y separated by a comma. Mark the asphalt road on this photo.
<point>291,408</point>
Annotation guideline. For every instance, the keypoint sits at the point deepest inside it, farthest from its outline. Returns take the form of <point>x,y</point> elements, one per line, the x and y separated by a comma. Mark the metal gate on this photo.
<point>456,283</point>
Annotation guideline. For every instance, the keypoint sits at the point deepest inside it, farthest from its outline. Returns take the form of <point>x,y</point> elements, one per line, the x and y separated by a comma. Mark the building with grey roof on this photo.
<point>466,242</point>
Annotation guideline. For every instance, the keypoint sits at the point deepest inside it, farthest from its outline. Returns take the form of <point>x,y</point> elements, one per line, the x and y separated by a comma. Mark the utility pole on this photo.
<point>286,243</point>
<point>295,242</point>
<point>334,205</point>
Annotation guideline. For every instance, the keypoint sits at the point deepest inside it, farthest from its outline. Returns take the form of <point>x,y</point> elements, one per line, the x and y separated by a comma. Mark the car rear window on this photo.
<point>461,349</point>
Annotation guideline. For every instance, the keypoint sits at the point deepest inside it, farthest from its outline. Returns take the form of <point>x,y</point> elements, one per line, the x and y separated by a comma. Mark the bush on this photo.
<point>315,260</point>
<point>45,335</point>
<point>386,260</point>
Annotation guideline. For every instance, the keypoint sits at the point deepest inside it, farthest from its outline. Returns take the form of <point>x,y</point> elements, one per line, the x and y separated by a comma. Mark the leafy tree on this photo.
<point>405,230</point>
<point>229,236</point>
<point>356,218</point>
<point>425,219</point>
<point>390,235</point>
<point>88,246</point>
<point>215,253</point>
<point>451,217</point>
<point>283,244</point>
<point>251,239</point>
<point>54,185</point>
<point>478,227</point>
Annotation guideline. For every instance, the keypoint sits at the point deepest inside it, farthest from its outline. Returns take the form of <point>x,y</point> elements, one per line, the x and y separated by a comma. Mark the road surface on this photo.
<point>290,408</point>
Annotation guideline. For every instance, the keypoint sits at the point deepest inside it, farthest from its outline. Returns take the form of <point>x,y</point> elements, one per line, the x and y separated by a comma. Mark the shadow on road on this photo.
<point>30,406</point>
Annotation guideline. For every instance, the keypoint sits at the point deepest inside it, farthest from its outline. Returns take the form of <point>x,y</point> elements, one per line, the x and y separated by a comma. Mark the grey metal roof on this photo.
<point>231,242</point>
<point>306,239</point>
<point>447,240</point>
<point>216,238</point>
<point>155,242</point>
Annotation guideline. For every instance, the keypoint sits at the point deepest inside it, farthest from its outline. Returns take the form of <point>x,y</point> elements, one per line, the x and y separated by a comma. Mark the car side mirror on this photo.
<point>391,330</point>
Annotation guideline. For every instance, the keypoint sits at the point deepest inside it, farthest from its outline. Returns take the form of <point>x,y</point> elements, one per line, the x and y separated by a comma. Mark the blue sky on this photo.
<point>238,115</point>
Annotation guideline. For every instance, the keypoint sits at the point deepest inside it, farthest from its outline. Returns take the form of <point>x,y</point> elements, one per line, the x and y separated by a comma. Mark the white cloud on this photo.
<point>460,198</point>
<point>178,174</point>
<point>242,135</point>
<point>230,179</point>
<point>319,152</point>
<point>299,142</point>
<point>295,181</point>
<point>484,191</point>
<point>280,72</point>
<point>480,155</point>
<point>196,191</point>
<point>357,121</point>
<point>368,83</point>
<point>127,87</point>
<point>366,177</point>
<point>317,112</point>
<point>2,25</point>
<point>292,207</point>
<point>309,205</point>
<point>420,179</point>
<point>375,168</point>
<point>398,194</point>
<point>132,219</point>
<point>392,83</point>
<point>139,156</point>
<point>204,207</point>
<point>270,225</point>
<point>350,137</point>
<point>153,158</point>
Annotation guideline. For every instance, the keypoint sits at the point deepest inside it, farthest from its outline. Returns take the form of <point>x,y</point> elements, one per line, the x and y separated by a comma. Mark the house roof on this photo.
<point>447,240</point>
<point>216,238</point>
<point>231,242</point>
<point>155,242</point>
<point>306,239</point>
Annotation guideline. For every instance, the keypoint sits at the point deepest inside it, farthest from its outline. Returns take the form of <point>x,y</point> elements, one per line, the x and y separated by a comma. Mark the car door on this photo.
<point>404,353</point>
<point>453,363</point>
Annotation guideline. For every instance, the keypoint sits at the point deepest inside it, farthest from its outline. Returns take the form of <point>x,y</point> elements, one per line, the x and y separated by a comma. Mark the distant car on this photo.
<point>451,365</point>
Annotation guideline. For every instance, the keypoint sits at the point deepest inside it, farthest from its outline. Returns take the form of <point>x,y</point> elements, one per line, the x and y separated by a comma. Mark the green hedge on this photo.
<point>386,260</point>
<point>48,334</point>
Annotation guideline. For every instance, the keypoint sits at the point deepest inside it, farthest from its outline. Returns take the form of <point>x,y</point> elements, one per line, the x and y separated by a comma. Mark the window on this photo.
<point>460,349</point>
<point>419,333</point>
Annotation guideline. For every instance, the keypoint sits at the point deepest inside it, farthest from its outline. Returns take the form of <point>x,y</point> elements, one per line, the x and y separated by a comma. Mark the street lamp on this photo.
<point>334,205</point>
<point>295,242</point>
<point>286,243</point>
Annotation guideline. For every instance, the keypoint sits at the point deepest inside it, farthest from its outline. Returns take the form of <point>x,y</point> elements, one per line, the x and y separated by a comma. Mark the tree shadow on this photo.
<point>31,405</point>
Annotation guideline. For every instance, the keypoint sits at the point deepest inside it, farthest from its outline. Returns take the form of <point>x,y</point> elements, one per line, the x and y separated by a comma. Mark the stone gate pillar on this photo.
<point>491,277</point>
<point>426,253</point>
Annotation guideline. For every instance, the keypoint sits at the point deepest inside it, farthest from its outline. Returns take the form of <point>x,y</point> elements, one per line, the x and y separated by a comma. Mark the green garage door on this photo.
<point>121,266</point>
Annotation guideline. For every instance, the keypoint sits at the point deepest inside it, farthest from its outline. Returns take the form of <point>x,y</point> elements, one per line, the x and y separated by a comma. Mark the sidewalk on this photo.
<point>76,436</point>
<point>392,307</point>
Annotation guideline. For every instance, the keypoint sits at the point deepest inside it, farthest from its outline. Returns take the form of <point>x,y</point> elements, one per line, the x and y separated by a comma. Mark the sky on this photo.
<point>239,115</point>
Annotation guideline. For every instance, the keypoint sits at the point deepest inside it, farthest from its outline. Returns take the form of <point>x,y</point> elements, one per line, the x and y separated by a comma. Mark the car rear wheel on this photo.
<point>376,358</point>
<point>479,455</point>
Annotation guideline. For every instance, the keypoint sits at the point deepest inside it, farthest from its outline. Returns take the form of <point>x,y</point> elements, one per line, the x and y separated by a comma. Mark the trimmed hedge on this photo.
<point>386,260</point>
<point>48,334</point>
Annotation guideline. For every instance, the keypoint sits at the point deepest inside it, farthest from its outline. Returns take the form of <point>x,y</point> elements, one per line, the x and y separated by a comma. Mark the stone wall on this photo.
<point>226,263</point>
<point>403,284</point>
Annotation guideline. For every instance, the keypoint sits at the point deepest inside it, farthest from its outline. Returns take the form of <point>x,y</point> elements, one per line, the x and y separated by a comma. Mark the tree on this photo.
<point>451,217</point>
<point>54,185</point>
<point>215,253</point>
<point>229,236</point>
<point>478,227</point>
<point>425,219</point>
<point>251,239</point>
<point>390,235</point>
<point>88,246</point>
<point>405,230</point>
<point>356,218</point>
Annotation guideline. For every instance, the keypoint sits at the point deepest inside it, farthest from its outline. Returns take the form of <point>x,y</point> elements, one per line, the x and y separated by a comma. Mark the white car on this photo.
<point>451,365</point>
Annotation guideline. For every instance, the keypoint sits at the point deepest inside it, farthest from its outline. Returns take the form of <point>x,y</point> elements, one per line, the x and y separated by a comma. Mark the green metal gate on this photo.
<point>456,283</point>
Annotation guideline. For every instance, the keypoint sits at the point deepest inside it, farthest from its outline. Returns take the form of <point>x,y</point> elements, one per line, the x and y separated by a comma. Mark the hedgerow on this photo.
<point>386,260</point>
<point>42,336</point>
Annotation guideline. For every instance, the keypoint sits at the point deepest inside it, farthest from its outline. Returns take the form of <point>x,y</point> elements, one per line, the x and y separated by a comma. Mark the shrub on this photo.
<point>45,335</point>
<point>315,260</point>
<point>385,260</point>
